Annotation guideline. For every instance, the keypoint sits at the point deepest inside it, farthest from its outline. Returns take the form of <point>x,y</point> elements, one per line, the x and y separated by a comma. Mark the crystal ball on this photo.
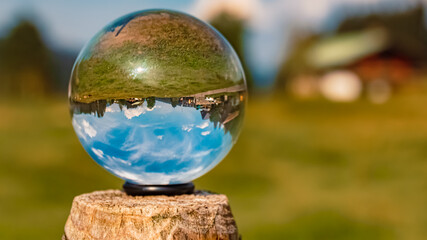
<point>157,97</point>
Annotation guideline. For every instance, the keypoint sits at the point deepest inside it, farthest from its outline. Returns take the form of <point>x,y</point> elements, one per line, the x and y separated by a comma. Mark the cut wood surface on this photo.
<point>112,214</point>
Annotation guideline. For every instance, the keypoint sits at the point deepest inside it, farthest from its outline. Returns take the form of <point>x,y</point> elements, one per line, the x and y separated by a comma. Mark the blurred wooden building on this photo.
<point>380,49</point>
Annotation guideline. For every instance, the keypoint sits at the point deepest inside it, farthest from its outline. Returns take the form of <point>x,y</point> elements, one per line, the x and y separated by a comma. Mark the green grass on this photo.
<point>156,54</point>
<point>300,170</point>
<point>112,76</point>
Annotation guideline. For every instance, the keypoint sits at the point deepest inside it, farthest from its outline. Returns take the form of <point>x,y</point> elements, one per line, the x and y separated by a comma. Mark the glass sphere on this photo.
<point>157,97</point>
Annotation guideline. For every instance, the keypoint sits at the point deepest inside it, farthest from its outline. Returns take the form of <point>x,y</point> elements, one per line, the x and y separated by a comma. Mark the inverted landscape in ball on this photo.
<point>157,98</point>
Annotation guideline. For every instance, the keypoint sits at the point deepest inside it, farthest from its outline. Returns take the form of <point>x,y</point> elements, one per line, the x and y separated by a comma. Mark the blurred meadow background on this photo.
<point>335,139</point>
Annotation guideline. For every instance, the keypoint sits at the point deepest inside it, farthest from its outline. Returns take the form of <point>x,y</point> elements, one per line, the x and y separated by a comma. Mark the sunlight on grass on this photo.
<point>301,170</point>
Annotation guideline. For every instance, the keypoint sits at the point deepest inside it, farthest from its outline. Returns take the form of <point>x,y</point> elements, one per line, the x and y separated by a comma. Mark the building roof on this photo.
<point>345,48</point>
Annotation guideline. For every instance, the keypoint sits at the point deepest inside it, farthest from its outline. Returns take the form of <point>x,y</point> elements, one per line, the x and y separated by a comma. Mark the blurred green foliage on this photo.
<point>233,29</point>
<point>300,170</point>
<point>26,67</point>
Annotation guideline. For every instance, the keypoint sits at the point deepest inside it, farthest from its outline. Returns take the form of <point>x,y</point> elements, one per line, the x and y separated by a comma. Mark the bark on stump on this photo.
<point>114,215</point>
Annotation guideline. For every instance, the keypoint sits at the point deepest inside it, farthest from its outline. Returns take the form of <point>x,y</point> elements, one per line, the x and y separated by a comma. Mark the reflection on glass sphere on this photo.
<point>157,97</point>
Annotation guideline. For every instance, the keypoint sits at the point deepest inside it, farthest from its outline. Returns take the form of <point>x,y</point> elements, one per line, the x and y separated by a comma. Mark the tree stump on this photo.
<point>114,215</point>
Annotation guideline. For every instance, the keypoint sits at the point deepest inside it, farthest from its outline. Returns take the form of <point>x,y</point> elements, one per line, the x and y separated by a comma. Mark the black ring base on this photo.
<point>149,190</point>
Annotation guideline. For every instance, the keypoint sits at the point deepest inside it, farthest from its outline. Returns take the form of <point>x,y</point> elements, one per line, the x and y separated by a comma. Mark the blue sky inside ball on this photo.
<point>162,145</point>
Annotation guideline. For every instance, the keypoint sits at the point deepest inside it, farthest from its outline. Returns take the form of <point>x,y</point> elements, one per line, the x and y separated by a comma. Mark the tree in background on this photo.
<point>296,62</point>
<point>174,102</point>
<point>151,102</point>
<point>406,29</point>
<point>25,63</point>
<point>233,30</point>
